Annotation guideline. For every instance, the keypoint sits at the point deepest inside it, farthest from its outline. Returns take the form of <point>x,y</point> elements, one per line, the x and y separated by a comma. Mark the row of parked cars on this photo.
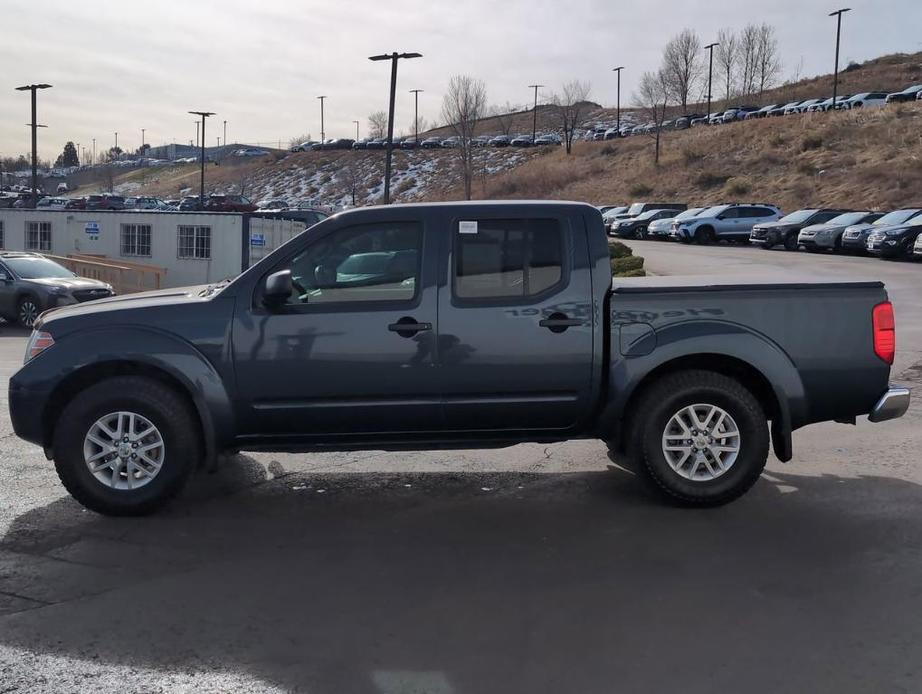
<point>894,234</point>
<point>544,139</point>
<point>742,112</point>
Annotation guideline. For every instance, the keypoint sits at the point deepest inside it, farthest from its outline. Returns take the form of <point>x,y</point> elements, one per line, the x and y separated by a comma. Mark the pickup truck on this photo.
<point>455,325</point>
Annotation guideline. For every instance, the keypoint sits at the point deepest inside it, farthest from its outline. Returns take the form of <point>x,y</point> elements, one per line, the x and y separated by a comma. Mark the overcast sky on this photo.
<point>125,65</point>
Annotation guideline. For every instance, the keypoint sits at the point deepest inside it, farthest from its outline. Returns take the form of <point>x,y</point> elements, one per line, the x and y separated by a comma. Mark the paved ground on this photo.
<point>532,569</point>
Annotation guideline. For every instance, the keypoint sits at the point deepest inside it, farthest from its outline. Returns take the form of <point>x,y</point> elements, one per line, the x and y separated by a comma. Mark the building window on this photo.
<point>507,258</point>
<point>38,236</point>
<point>136,239</point>
<point>193,242</point>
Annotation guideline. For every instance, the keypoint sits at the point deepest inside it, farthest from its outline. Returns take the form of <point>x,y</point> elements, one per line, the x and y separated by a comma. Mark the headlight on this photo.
<point>57,290</point>
<point>38,343</point>
<point>893,232</point>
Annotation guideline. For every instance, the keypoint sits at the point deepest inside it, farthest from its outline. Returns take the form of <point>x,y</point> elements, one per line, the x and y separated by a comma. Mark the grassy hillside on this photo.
<point>856,159</point>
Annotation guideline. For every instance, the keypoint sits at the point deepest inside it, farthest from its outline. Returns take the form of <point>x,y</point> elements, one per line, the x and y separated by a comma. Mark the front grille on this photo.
<point>758,233</point>
<point>82,295</point>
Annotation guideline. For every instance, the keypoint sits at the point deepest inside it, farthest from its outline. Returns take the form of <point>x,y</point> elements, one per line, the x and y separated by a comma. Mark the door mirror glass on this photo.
<point>278,287</point>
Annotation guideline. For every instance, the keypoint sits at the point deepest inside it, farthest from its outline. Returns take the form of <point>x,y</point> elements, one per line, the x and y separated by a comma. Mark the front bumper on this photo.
<point>26,406</point>
<point>892,405</point>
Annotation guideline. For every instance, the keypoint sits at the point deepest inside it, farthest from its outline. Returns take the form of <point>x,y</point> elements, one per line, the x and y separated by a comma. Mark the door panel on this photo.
<point>501,368</point>
<point>329,361</point>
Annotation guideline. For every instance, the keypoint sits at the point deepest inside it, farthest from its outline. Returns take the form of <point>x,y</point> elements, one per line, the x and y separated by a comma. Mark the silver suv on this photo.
<point>732,222</point>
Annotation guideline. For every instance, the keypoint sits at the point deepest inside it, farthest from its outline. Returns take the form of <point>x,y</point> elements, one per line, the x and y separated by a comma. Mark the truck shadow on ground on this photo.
<point>483,583</point>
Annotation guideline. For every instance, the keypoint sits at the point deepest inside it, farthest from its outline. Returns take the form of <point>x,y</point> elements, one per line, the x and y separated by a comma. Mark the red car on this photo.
<point>229,203</point>
<point>75,204</point>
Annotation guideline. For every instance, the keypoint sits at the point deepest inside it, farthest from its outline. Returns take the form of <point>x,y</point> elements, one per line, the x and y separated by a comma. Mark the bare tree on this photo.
<point>463,105</point>
<point>652,97</point>
<point>768,61</point>
<point>748,58</point>
<point>422,125</point>
<point>727,55</point>
<point>295,141</point>
<point>505,116</point>
<point>377,124</point>
<point>682,66</point>
<point>572,107</point>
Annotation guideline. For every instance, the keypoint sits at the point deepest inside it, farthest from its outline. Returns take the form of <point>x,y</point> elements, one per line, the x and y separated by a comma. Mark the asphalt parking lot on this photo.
<point>530,569</point>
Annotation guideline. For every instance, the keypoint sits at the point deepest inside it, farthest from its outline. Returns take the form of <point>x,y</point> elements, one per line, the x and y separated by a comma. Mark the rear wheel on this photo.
<point>700,437</point>
<point>126,446</point>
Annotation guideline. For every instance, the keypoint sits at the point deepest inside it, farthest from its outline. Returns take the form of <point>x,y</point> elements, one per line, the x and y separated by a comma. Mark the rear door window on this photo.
<point>507,258</point>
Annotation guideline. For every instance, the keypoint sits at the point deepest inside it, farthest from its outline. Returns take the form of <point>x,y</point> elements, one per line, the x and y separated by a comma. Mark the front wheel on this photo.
<point>704,236</point>
<point>126,446</point>
<point>700,437</point>
<point>790,242</point>
<point>27,311</point>
<point>640,233</point>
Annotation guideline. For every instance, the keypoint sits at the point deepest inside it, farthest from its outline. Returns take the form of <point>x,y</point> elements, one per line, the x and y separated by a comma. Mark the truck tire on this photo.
<point>727,429</point>
<point>126,446</point>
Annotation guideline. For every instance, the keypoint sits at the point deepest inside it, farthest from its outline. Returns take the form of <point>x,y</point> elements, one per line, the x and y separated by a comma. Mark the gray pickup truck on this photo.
<point>441,326</point>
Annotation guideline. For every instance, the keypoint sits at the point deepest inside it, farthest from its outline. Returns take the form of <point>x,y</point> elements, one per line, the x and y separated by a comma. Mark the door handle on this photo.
<point>408,327</point>
<point>558,322</point>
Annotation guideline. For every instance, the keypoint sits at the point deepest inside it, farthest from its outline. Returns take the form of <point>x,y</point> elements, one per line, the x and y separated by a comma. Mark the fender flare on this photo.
<point>711,340</point>
<point>151,348</point>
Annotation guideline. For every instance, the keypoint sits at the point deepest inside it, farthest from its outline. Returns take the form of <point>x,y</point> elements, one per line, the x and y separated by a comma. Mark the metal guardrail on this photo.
<point>125,277</point>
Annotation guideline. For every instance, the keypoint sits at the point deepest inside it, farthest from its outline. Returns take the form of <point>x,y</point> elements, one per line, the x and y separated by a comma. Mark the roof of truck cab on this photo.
<point>705,283</point>
<point>473,204</point>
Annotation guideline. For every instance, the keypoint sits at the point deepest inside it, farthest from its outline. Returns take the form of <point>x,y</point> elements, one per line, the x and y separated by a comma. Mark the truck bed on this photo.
<point>758,281</point>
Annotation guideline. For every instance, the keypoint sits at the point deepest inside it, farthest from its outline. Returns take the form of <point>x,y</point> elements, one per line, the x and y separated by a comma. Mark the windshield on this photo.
<point>849,218</point>
<point>799,216</point>
<point>687,214</point>
<point>636,208</point>
<point>614,211</point>
<point>897,217</point>
<point>37,268</point>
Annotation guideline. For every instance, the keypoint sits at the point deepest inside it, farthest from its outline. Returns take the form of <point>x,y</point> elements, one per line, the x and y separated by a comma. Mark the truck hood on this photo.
<point>774,225</point>
<point>69,282</point>
<point>117,304</point>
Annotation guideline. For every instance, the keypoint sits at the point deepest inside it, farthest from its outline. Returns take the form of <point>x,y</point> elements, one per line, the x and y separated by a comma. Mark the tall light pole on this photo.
<point>323,135</point>
<point>196,132</point>
<point>94,151</point>
<point>835,79</point>
<point>201,197</point>
<point>618,70</point>
<point>393,57</point>
<point>356,130</point>
<point>116,146</point>
<point>79,158</point>
<point>534,112</point>
<point>710,48</point>
<point>415,93</point>
<point>142,139</point>
<point>225,133</point>
<point>34,125</point>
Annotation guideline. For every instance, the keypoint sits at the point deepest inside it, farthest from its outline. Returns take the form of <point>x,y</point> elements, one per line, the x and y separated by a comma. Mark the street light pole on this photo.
<point>323,135</point>
<point>393,57</point>
<point>356,130</point>
<point>94,151</point>
<point>142,139</point>
<point>225,133</point>
<point>34,125</point>
<point>415,93</point>
<point>710,48</point>
<point>201,197</point>
<point>534,113</point>
<point>618,70</point>
<point>835,79</point>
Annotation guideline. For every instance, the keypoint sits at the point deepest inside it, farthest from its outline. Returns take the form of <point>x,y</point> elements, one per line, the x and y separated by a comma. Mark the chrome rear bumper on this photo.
<point>892,404</point>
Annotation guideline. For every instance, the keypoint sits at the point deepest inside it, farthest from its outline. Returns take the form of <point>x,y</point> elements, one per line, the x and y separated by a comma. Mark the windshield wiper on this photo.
<point>212,288</point>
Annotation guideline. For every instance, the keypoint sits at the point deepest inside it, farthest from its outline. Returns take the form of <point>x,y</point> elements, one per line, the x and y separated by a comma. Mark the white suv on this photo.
<point>864,100</point>
<point>732,222</point>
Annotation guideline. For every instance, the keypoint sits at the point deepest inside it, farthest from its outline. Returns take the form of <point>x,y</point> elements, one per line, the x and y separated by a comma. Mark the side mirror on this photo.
<point>278,287</point>
<point>4,277</point>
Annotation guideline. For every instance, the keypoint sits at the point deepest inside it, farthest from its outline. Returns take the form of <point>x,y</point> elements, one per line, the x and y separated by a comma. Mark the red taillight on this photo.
<point>884,331</point>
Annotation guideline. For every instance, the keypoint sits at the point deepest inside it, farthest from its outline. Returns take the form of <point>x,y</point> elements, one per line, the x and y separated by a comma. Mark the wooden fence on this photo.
<point>125,277</point>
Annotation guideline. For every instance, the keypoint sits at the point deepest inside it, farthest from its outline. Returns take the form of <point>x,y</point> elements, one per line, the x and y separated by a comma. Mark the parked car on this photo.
<point>659,228</point>
<point>105,201</point>
<point>408,143</point>
<point>304,146</point>
<point>31,283</point>
<point>784,231</point>
<point>636,227</point>
<point>521,141</point>
<point>62,188</point>
<point>703,120</point>
<point>451,142</point>
<point>735,113</point>
<point>605,208</point>
<point>480,141</point>
<point>680,398</point>
<point>272,204</point>
<point>908,94</point>
<point>229,203</point>
<point>431,143</point>
<point>785,109</point>
<point>733,222</point>
<point>638,208</point>
<point>855,238</point>
<point>864,100</point>
<point>150,203</point>
<point>896,241</point>
<point>51,204</point>
<point>801,107</point>
<point>75,204</point>
<point>762,112</point>
<point>548,139</point>
<point>500,141</point>
<point>828,236</point>
<point>189,203</point>
<point>248,152</point>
